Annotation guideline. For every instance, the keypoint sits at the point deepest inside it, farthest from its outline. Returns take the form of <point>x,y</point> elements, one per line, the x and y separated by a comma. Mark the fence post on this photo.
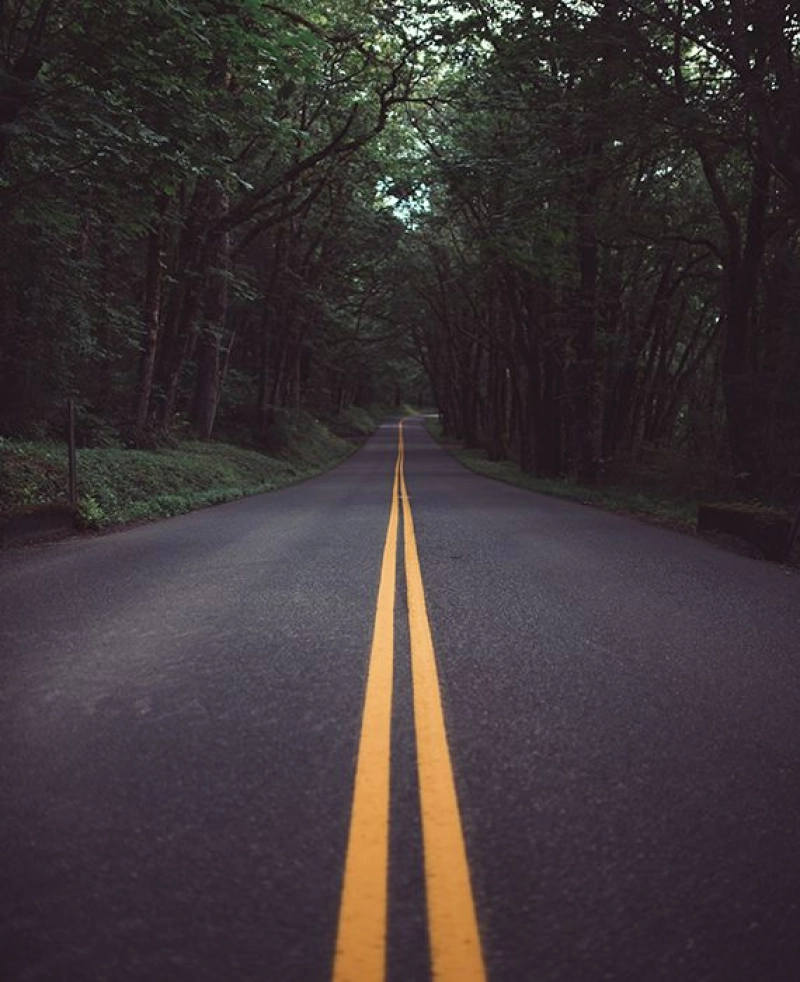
<point>73,463</point>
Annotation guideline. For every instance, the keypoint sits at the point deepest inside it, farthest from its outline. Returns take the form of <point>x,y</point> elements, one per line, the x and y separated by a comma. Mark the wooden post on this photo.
<point>73,467</point>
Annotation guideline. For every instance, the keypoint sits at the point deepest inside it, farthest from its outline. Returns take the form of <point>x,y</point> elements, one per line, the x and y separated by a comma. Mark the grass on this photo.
<point>353,422</point>
<point>117,485</point>
<point>673,511</point>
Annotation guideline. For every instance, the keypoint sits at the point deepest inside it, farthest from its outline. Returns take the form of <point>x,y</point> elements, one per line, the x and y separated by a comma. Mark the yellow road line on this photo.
<point>456,953</point>
<point>361,939</point>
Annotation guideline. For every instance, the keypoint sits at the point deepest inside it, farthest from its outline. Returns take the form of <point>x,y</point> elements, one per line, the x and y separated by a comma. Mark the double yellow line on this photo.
<point>452,923</point>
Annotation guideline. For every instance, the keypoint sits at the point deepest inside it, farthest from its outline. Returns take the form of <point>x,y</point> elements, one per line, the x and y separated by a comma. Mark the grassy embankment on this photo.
<point>118,485</point>
<point>674,510</point>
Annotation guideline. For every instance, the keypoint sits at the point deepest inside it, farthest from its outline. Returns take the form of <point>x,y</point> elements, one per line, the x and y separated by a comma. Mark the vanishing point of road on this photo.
<point>395,724</point>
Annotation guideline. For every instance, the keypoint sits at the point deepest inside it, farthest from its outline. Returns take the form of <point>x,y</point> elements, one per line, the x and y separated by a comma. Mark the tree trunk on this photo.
<point>586,420</point>
<point>154,278</point>
<point>549,457</point>
<point>207,388</point>
<point>737,358</point>
<point>265,352</point>
<point>180,314</point>
<point>19,84</point>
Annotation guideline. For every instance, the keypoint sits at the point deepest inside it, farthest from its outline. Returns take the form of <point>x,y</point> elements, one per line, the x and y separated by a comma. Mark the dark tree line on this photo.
<point>610,263</point>
<point>189,215</point>
<point>580,219</point>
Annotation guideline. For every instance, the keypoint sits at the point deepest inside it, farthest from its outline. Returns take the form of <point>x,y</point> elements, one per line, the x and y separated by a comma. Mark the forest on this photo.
<point>572,226</point>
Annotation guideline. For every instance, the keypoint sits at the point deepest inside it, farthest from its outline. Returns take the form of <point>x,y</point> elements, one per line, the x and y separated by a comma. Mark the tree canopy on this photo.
<point>574,224</point>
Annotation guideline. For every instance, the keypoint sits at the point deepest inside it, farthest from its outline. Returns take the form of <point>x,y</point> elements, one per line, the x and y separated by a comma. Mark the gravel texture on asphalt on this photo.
<point>180,709</point>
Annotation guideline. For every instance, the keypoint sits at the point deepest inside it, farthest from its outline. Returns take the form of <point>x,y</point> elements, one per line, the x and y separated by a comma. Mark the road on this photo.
<point>600,779</point>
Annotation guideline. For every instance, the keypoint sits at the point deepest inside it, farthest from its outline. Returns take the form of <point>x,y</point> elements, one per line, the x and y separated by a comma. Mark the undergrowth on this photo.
<point>674,511</point>
<point>118,485</point>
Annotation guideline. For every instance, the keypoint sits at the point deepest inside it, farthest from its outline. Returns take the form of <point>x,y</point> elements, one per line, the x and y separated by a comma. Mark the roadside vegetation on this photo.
<point>574,228</point>
<point>118,485</point>
<point>664,507</point>
<point>676,511</point>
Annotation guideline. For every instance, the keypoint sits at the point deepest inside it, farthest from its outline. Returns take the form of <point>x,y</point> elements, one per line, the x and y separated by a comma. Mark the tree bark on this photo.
<point>586,422</point>
<point>181,310</point>
<point>742,270</point>
<point>154,278</point>
<point>207,389</point>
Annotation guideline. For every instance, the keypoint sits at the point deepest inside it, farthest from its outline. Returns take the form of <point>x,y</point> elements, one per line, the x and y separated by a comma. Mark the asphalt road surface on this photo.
<point>616,795</point>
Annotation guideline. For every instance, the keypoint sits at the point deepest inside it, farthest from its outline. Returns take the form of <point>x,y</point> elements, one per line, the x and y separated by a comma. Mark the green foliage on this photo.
<point>118,485</point>
<point>676,512</point>
<point>212,212</point>
<point>31,474</point>
<point>352,422</point>
<point>171,119</point>
<point>303,440</point>
<point>609,221</point>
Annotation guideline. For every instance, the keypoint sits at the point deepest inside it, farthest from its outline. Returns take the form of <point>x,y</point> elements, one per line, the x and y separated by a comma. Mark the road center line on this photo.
<point>361,939</point>
<point>456,953</point>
